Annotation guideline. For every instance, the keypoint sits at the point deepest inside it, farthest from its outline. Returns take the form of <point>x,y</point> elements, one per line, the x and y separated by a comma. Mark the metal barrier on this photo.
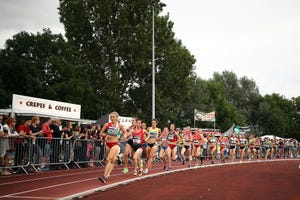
<point>15,153</point>
<point>41,153</point>
<point>88,152</point>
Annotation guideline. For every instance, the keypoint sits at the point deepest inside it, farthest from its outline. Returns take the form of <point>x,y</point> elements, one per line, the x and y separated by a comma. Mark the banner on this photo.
<point>201,116</point>
<point>36,106</point>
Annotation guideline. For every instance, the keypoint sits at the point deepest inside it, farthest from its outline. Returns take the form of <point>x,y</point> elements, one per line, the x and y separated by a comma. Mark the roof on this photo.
<point>8,111</point>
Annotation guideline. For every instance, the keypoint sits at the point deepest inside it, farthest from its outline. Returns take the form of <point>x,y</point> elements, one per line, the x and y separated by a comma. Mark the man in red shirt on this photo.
<point>21,143</point>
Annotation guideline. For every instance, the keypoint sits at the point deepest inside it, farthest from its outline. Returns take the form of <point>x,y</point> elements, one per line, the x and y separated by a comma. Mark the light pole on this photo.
<point>153,66</point>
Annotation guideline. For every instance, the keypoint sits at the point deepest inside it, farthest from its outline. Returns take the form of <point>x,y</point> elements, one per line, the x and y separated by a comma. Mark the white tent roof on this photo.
<point>8,111</point>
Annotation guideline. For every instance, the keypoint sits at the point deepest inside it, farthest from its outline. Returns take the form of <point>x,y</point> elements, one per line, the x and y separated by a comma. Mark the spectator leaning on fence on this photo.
<point>9,131</point>
<point>46,146</point>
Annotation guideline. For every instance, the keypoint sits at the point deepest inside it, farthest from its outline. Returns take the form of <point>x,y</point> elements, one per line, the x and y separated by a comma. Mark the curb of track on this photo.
<point>125,182</point>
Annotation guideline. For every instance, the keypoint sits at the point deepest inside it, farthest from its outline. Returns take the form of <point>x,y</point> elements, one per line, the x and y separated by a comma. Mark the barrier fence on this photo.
<point>35,154</point>
<point>40,153</point>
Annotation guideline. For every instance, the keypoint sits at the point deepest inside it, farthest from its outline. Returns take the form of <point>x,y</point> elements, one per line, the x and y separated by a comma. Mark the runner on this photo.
<point>129,145</point>
<point>274,149</point>
<point>212,140</point>
<point>243,143</point>
<point>110,132</point>
<point>251,149</point>
<point>197,143</point>
<point>173,139</point>
<point>233,141</point>
<point>138,138</point>
<point>187,140</point>
<point>144,145</point>
<point>154,132</point>
<point>257,147</point>
<point>223,142</point>
<point>267,147</point>
<point>165,151</point>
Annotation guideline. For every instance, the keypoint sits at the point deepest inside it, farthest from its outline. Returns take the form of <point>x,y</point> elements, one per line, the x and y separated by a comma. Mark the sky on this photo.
<point>259,39</point>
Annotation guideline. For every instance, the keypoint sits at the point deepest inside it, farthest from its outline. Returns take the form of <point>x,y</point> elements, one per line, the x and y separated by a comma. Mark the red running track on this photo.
<point>276,179</point>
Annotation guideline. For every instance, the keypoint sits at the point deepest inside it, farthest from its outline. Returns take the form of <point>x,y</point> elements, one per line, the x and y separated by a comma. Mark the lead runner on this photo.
<point>110,132</point>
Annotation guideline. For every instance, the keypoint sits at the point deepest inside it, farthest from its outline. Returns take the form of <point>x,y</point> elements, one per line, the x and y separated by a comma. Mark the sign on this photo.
<point>208,117</point>
<point>37,106</point>
<point>126,121</point>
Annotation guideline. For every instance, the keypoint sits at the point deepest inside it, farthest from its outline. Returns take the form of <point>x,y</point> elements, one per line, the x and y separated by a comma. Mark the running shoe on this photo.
<point>145,171</point>
<point>169,169</point>
<point>125,170</point>
<point>197,166</point>
<point>135,173</point>
<point>189,166</point>
<point>119,160</point>
<point>212,162</point>
<point>165,167</point>
<point>102,179</point>
<point>183,162</point>
<point>140,172</point>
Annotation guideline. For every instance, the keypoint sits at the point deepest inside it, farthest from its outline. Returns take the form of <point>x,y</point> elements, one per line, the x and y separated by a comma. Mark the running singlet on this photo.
<point>113,130</point>
<point>213,139</point>
<point>186,137</point>
<point>196,139</point>
<point>233,141</point>
<point>138,136</point>
<point>223,141</point>
<point>251,141</point>
<point>172,137</point>
<point>153,132</point>
<point>163,137</point>
<point>243,141</point>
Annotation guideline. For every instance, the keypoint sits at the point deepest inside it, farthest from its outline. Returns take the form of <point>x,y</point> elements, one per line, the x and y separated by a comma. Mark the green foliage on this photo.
<point>105,64</point>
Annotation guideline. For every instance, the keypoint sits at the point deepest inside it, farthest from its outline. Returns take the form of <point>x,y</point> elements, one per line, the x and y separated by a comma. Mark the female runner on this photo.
<point>129,145</point>
<point>110,132</point>
<point>233,141</point>
<point>267,147</point>
<point>212,140</point>
<point>251,149</point>
<point>138,138</point>
<point>243,143</point>
<point>223,142</point>
<point>257,147</point>
<point>197,142</point>
<point>187,139</point>
<point>173,138</point>
<point>154,132</point>
<point>165,151</point>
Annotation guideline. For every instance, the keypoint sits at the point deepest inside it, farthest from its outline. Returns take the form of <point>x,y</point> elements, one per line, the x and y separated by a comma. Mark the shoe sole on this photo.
<point>102,179</point>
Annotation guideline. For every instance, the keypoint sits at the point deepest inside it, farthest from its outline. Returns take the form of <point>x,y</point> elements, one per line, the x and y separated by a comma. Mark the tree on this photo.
<point>45,66</point>
<point>114,39</point>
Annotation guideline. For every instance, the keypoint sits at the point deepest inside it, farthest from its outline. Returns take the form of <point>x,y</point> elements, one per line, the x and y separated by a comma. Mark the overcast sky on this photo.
<point>259,39</point>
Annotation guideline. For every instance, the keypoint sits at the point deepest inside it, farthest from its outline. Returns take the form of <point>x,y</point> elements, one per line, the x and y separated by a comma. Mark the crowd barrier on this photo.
<point>40,153</point>
<point>24,154</point>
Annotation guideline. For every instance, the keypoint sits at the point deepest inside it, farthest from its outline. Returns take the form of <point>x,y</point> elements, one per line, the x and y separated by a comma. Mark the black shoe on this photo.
<point>102,179</point>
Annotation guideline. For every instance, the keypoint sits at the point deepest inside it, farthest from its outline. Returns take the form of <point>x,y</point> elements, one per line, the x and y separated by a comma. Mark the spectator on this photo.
<point>22,143</point>
<point>46,146</point>
<point>6,145</point>
<point>55,143</point>
<point>37,132</point>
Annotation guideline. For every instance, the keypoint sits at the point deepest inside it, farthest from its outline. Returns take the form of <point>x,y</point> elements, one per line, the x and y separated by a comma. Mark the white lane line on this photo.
<point>29,197</point>
<point>125,182</point>
<point>50,177</point>
<point>47,187</point>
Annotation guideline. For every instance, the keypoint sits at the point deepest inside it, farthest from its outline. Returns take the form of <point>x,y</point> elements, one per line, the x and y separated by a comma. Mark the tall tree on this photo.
<point>114,39</point>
